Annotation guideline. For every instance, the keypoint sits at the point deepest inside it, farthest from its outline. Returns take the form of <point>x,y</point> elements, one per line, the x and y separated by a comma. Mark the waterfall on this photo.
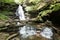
<point>20,13</point>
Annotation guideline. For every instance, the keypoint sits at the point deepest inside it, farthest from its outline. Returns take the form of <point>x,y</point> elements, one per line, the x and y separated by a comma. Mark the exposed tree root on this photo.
<point>12,36</point>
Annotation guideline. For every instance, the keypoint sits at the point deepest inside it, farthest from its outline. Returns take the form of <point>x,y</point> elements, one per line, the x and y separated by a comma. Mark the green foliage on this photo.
<point>55,7</point>
<point>34,1</point>
<point>30,8</point>
<point>3,17</point>
<point>51,8</point>
<point>35,5</point>
<point>7,1</point>
<point>45,12</point>
<point>12,1</point>
<point>19,1</point>
<point>7,13</point>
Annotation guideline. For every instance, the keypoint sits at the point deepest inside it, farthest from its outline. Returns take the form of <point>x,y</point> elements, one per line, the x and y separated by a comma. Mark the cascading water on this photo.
<point>47,33</point>
<point>29,30</point>
<point>20,13</point>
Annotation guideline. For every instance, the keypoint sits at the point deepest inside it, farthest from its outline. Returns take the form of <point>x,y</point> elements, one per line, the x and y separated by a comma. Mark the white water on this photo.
<point>20,13</point>
<point>27,31</point>
<point>18,24</point>
<point>47,33</point>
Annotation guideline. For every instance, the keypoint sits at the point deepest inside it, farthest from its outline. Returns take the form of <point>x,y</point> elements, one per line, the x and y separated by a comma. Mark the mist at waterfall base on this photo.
<point>29,30</point>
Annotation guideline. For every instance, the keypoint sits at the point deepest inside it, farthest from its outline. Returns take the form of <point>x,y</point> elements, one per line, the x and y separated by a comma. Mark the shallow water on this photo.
<point>30,31</point>
<point>47,33</point>
<point>27,30</point>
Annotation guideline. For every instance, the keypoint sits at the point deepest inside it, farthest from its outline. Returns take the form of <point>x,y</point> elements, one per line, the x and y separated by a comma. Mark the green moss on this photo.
<point>7,1</point>
<point>34,1</point>
<point>7,13</point>
<point>12,1</point>
<point>3,17</point>
<point>44,13</point>
<point>55,7</point>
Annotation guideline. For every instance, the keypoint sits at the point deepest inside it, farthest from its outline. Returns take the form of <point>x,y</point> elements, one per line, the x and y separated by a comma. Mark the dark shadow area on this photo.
<point>8,7</point>
<point>55,18</point>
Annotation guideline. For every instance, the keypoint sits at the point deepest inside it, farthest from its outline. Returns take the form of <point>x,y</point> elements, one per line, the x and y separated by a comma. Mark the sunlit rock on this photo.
<point>18,1</point>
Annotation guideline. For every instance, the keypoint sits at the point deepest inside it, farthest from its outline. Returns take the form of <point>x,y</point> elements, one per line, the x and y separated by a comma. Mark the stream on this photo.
<point>27,31</point>
<point>21,20</point>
